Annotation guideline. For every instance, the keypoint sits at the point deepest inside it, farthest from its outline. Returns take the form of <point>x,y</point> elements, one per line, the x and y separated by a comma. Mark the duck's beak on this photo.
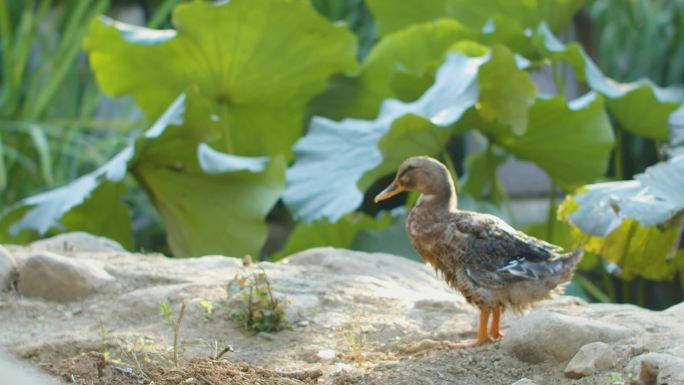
<point>393,189</point>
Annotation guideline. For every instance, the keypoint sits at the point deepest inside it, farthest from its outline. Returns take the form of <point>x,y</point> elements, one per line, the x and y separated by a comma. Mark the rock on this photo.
<point>657,368</point>
<point>591,358</point>
<point>57,278</point>
<point>8,268</point>
<point>326,355</point>
<point>545,336</point>
<point>676,311</point>
<point>524,381</point>
<point>14,372</point>
<point>76,241</point>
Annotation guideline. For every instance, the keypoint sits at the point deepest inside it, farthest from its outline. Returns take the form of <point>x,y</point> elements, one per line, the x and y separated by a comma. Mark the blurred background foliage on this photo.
<point>117,152</point>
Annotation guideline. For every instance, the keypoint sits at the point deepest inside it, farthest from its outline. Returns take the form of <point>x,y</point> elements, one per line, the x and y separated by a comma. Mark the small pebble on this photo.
<point>326,354</point>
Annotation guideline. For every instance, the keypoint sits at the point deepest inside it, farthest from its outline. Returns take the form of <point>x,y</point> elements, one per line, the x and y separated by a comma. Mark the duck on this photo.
<point>494,266</point>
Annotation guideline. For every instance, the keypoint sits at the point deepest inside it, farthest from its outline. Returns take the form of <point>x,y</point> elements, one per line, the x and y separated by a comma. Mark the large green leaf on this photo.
<point>325,233</point>
<point>71,207</point>
<point>210,202</point>
<point>640,107</point>
<point>637,224</point>
<point>257,63</point>
<point>480,177</point>
<point>390,239</point>
<point>570,141</point>
<point>412,53</point>
<point>653,198</point>
<point>333,156</point>
<point>506,93</point>
<point>394,15</point>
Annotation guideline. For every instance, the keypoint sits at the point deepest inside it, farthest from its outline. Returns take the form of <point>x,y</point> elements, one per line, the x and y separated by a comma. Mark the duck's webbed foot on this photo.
<point>483,337</point>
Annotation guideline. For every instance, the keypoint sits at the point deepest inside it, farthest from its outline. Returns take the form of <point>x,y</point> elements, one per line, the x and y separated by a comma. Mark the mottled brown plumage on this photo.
<point>493,265</point>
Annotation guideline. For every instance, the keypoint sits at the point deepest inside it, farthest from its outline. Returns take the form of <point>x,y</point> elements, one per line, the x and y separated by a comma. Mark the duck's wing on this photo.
<point>499,255</point>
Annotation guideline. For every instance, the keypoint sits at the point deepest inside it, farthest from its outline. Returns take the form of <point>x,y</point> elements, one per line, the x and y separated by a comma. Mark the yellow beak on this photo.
<point>393,189</point>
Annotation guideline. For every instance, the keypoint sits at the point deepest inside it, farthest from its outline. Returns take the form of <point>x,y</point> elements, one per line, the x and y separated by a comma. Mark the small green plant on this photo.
<point>618,379</point>
<point>355,339</point>
<point>175,324</point>
<point>208,308</point>
<point>256,308</point>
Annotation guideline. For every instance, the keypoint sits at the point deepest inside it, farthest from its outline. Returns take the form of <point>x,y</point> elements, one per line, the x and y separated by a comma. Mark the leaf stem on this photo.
<point>551,214</point>
<point>224,109</point>
<point>592,289</point>
<point>451,167</point>
<point>619,154</point>
<point>641,293</point>
<point>558,78</point>
<point>493,192</point>
<point>176,334</point>
<point>608,283</point>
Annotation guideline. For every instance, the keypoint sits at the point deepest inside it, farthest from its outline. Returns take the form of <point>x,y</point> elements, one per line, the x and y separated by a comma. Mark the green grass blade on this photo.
<point>42,147</point>
<point>162,13</point>
<point>3,170</point>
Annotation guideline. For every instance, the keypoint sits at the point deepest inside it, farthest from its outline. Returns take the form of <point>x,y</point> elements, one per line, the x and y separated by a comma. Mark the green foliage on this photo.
<point>191,163</point>
<point>325,233</point>
<point>636,39</point>
<point>228,54</point>
<point>628,220</point>
<point>193,186</point>
<point>393,16</point>
<point>254,305</point>
<point>48,99</point>
<point>208,308</point>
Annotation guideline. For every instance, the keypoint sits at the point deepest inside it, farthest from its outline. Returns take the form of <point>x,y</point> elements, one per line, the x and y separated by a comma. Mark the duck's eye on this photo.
<point>405,172</point>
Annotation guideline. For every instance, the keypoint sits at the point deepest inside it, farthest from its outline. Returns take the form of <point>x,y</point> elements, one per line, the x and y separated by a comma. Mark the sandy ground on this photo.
<point>355,318</point>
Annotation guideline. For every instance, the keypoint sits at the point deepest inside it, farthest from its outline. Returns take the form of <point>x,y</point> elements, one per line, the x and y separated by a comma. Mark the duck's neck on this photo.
<point>444,200</point>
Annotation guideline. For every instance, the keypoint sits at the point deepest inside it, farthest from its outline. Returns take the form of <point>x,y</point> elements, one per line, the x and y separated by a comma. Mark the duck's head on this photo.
<point>423,174</point>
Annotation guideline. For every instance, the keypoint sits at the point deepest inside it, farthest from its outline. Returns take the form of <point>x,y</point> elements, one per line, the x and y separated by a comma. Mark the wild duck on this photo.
<point>493,265</point>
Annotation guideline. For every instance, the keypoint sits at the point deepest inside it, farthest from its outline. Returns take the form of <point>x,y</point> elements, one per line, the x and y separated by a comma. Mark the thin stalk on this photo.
<point>162,13</point>
<point>550,218</point>
<point>224,110</point>
<point>176,334</point>
<point>493,193</point>
<point>558,78</point>
<point>626,290</point>
<point>592,289</point>
<point>641,293</point>
<point>619,153</point>
<point>3,171</point>
<point>659,154</point>
<point>452,169</point>
<point>608,283</point>
<point>6,31</point>
<point>29,32</point>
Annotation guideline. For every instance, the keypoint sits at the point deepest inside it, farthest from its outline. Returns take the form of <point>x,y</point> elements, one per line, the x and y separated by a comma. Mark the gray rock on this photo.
<point>591,358</point>
<point>8,268</point>
<point>76,241</point>
<point>15,373</point>
<point>657,368</point>
<point>545,336</point>
<point>676,311</point>
<point>57,278</point>
<point>524,381</point>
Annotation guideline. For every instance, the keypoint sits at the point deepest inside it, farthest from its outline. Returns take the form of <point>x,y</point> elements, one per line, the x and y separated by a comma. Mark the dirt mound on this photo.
<point>354,318</point>
<point>94,368</point>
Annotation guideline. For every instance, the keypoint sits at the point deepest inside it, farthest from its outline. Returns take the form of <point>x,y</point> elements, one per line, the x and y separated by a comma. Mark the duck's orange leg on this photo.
<point>482,336</point>
<point>494,330</point>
